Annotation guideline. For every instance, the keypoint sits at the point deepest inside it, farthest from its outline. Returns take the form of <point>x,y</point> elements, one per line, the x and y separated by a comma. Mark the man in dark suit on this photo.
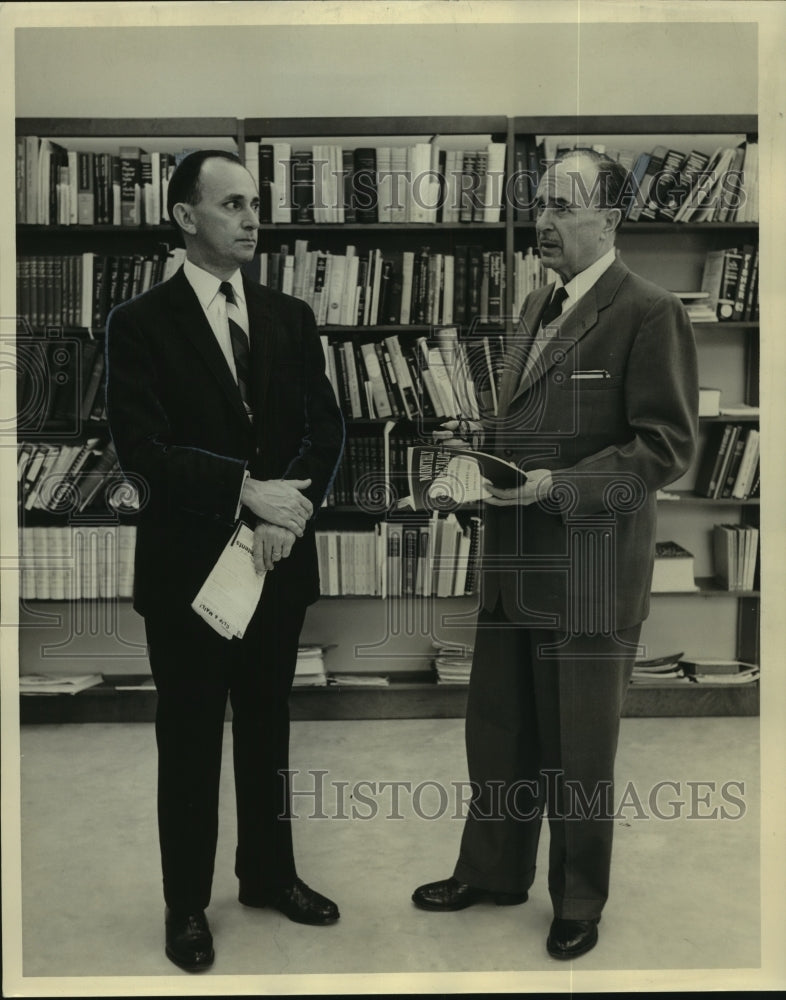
<point>598,403</point>
<point>219,407</point>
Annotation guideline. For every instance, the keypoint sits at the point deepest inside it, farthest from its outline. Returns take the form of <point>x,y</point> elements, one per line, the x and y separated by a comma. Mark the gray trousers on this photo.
<point>541,736</point>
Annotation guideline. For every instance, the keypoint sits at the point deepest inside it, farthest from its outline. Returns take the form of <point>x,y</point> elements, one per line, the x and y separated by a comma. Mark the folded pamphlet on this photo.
<point>229,596</point>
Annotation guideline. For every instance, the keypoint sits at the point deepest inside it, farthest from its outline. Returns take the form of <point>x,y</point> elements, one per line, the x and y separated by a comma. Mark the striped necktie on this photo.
<point>240,349</point>
<point>554,307</point>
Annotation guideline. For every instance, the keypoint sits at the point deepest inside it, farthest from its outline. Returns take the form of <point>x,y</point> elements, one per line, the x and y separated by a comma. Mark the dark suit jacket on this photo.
<point>585,558</point>
<point>180,430</point>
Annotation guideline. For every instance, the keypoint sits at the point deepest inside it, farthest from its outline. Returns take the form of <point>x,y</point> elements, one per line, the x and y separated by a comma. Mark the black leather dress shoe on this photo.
<point>189,943</point>
<point>297,901</point>
<point>571,938</point>
<point>450,894</point>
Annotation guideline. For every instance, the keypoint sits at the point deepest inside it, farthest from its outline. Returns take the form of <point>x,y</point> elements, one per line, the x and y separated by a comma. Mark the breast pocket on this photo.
<point>597,403</point>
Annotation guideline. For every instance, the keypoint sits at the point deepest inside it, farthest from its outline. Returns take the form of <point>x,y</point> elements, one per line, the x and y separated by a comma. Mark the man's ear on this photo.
<point>184,217</point>
<point>613,219</point>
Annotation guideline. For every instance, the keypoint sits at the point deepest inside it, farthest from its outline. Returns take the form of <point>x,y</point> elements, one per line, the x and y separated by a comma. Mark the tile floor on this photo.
<point>685,891</point>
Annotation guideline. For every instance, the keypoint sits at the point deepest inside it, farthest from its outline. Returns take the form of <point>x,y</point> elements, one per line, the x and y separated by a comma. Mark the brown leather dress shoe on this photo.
<point>297,901</point>
<point>189,943</point>
<point>450,894</point>
<point>572,938</point>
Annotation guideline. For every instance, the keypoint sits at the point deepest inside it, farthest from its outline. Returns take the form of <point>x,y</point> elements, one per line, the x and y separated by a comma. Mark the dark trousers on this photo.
<point>194,670</point>
<point>541,735</point>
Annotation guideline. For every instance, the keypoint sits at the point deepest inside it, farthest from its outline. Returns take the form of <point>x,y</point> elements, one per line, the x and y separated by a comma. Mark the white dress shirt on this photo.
<point>214,305</point>
<point>581,283</point>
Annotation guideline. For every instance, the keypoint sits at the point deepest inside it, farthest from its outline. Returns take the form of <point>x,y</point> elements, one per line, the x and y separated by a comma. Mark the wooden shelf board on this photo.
<point>407,700</point>
<point>688,497</point>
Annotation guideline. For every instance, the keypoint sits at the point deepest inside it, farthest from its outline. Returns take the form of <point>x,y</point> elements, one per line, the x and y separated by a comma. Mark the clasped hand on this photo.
<point>279,502</point>
<point>271,544</point>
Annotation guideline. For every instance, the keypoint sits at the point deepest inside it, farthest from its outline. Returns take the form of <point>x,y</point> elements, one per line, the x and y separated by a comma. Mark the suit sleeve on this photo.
<point>322,443</point>
<point>181,478</point>
<point>661,400</point>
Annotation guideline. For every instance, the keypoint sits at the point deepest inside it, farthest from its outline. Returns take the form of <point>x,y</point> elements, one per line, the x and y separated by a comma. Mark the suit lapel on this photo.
<point>520,344</point>
<point>575,325</point>
<point>191,320</point>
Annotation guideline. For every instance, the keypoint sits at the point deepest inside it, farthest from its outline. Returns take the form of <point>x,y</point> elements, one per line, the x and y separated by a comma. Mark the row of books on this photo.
<point>76,562</point>
<point>68,478</point>
<point>729,466</point>
<point>80,290</point>
<point>67,187</point>
<point>421,182</point>
<point>415,183</point>
<point>350,289</point>
<point>373,470</point>
<point>59,384</point>
<point>735,550</point>
<point>445,377</point>
<point>438,557</point>
<point>672,185</point>
<point>731,281</point>
<point>398,288</point>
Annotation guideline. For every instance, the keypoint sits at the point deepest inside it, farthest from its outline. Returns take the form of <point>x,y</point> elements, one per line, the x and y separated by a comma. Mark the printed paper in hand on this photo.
<point>230,594</point>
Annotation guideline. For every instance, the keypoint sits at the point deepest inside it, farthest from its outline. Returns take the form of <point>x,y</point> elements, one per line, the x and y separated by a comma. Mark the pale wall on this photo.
<point>457,69</point>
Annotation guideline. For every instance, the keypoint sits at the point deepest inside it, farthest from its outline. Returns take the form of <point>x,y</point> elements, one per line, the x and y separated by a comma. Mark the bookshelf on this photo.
<point>670,253</point>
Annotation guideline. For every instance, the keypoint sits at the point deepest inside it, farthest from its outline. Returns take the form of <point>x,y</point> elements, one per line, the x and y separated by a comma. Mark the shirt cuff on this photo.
<point>246,474</point>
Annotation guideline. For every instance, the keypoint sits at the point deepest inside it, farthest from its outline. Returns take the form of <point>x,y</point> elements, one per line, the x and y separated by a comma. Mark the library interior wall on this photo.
<point>461,69</point>
<point>675,68</point>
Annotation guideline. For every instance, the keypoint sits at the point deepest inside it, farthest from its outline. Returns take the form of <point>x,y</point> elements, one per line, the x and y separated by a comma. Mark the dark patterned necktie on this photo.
<point>240,349</point>
<point>554,307</point>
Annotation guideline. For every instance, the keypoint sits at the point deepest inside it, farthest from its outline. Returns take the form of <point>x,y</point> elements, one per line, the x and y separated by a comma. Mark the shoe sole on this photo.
<point>190,967</point>
<point>260,905</point>
<point>498,900</point>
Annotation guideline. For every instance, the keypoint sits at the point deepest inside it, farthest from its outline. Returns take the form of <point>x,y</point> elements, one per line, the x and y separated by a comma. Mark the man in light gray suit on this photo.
<point>598,404</point>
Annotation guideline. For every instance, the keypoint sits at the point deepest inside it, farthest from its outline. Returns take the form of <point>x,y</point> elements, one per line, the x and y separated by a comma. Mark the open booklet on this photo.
<point>230,594</point>
<point>439,478</point>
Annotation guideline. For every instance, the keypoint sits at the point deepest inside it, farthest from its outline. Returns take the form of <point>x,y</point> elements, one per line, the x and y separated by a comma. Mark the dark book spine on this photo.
<point>265,182</point>
<point>741,292</point>
<point>364,185</point>
<point>474,282</point>
<point>460,285</point>
<point>711,460</point>
<point>409,569</point>
<point>732,260</point>
<point>302,184</point>
<point>660,190</point>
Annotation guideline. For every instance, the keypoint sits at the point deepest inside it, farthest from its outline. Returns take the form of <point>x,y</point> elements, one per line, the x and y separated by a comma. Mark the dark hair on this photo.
<point>184,182</point>
<point>615,190</point>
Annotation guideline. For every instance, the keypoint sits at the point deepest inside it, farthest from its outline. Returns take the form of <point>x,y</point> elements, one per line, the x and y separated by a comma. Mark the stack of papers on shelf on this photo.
<point>739,410</point>
<point>359,680</point>
<point>697,307</point>
<point>745,676</point>
<point>659,669</point>
<point>452,663</point>
<point>711,671</point>
<point>57,683</point>
<point>310,667</point>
